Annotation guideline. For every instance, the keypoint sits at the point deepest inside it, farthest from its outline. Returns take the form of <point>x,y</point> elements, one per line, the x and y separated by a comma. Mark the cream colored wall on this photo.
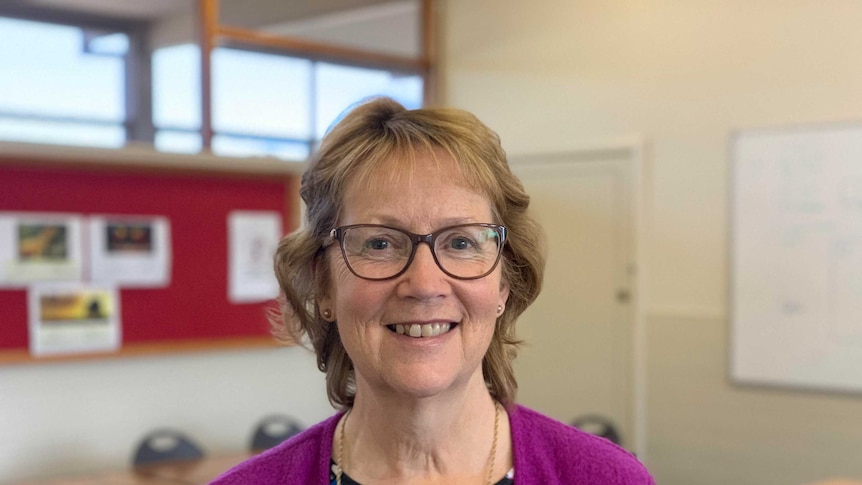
<point>73,417</point>
<point>549,74</point>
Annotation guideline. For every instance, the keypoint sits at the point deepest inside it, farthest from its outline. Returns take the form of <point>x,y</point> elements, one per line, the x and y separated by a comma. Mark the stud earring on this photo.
<point>499,309</point>
<point>327,314</point>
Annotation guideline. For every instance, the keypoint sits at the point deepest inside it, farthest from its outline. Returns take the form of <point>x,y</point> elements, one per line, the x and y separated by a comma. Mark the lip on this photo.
<point>424,322</point>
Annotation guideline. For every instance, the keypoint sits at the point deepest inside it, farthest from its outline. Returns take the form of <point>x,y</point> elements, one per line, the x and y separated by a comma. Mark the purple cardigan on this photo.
<point>544,452</point>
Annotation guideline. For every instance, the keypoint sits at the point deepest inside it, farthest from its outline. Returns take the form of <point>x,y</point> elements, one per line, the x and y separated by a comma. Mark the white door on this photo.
<point>578,354</point>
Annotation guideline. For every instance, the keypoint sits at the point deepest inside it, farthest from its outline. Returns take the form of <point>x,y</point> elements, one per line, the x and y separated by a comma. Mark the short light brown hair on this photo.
<point>365,138</point>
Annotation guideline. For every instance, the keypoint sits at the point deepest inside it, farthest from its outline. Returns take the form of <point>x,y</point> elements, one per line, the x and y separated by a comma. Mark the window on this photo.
<point>67,84</point>
<point>263,104</point>
<point>176,99</point>
<point>339,87</point>
<point>53,90</point>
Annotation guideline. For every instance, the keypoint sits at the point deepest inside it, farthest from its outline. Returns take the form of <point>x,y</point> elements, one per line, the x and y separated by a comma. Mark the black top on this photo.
<point>346,480</point>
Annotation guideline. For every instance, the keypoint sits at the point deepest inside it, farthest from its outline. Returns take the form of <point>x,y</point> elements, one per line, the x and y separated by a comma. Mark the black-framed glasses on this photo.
<point>378,252</point>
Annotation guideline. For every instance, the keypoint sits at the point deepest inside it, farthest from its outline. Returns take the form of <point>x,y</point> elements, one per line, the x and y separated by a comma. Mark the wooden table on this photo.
<point>104,478</point>
<point>193,472</point>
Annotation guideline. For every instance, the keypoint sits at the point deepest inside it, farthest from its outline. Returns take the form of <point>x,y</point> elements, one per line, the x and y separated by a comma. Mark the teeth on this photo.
<point>420,331</point>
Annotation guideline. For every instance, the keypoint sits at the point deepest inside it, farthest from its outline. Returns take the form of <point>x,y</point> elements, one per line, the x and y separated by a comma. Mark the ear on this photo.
<point>325,302</point>
<point>326,310</point>
<point>504,295</point>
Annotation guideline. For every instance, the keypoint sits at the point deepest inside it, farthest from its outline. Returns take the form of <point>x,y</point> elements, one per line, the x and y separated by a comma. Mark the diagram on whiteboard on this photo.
<point>796,264</point>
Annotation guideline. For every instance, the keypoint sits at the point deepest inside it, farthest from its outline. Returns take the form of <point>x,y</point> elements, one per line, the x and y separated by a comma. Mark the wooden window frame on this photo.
<point>212,34</point>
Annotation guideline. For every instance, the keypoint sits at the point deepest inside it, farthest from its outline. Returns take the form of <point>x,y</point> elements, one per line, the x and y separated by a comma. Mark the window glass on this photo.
<point>237,146</point>
<point>339,87</point>
<point>111,44</point>
<point>45,72</point>
<point>262,94</point>
<point>177,141</point>
<point>261,102</point>
<point>63,133</point>
<point>176,87</point>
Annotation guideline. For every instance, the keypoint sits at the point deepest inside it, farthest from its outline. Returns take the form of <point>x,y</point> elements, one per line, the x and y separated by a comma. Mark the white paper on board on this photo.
<point>252,240</point>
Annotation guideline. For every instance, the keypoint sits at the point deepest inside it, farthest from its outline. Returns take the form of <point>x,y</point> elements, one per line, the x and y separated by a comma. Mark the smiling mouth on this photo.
<point>422,330</point>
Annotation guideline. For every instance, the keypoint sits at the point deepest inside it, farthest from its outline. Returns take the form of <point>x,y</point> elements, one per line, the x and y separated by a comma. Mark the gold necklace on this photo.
<point>491,458</point>
<point>493,455</point>
<point>339,460</point>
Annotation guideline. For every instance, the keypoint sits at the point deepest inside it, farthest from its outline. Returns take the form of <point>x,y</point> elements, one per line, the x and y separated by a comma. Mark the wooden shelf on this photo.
<point>11,357</point>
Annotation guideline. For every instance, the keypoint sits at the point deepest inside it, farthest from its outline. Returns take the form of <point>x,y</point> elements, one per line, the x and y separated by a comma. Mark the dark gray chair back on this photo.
<point>272,430</point>
<point>599,426</point>
<point>166,445</point>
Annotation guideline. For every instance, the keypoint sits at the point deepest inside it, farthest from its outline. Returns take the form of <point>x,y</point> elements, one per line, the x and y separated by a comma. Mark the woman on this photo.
<point>417,257</point>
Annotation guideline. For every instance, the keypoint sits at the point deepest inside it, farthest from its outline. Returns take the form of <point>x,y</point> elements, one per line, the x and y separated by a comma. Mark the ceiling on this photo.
<point>386,26</point>
<point>244,13</point>
<point>125,9</point>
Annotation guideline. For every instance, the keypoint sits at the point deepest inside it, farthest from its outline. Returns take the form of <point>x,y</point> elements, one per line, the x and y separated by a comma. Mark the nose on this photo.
<point>423,280</point>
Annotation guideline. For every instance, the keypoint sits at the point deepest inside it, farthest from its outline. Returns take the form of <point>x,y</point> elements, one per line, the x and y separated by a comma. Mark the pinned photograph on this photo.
<point>129,237</point>
<point>130,251</point>
<point>40,247</point>
<point>41,242</point>
<point>73,319</point>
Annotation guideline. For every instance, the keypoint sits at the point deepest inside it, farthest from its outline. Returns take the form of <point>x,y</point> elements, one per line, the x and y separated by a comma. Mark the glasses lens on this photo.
<point>468,251</point>
<point>376,252</point>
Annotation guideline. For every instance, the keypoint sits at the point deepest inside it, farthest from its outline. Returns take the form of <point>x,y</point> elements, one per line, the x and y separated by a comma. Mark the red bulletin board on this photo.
<point>194,305</point>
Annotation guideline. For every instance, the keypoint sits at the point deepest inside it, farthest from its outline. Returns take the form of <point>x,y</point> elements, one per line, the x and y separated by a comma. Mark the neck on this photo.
<point>387,439</point>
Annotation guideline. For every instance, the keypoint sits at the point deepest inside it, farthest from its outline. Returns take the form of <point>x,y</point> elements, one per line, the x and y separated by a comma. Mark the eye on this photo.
<point>377,244</point>
<point>461,243</point>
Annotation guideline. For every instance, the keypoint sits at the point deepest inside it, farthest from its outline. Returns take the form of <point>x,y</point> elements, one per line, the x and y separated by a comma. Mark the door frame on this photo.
<point>632,149</point>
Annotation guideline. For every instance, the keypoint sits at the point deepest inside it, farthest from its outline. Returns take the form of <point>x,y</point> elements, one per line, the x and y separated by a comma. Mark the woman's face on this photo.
<point>431,197</point>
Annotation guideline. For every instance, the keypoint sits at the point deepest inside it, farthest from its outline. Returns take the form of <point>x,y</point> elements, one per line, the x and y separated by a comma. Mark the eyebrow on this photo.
<point>452,221</point>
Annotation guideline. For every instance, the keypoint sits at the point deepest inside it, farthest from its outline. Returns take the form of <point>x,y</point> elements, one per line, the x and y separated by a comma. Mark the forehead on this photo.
<point>418,166</point>
<point>400,167</point>
<point>414,188</point>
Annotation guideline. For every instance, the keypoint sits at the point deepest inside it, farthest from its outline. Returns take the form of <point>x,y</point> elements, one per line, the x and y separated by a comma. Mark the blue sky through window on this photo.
<point>43,70</point>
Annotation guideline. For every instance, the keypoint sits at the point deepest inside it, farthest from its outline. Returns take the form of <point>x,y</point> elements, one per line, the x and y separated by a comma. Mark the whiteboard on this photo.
<point>796,257</point>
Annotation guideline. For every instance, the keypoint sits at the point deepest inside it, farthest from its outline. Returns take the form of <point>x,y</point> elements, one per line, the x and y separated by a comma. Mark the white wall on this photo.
<point>71,417</point>
<point>684,74</point>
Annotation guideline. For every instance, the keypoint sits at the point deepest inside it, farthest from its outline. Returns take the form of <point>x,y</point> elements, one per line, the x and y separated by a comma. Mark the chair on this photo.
<point>599,426</point>
<point>164,445</point>
<point>272,430</point>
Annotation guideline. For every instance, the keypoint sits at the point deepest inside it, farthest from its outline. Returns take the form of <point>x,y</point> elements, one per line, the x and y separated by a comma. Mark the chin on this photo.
<point>421,389</point>
<point>422,385</point>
